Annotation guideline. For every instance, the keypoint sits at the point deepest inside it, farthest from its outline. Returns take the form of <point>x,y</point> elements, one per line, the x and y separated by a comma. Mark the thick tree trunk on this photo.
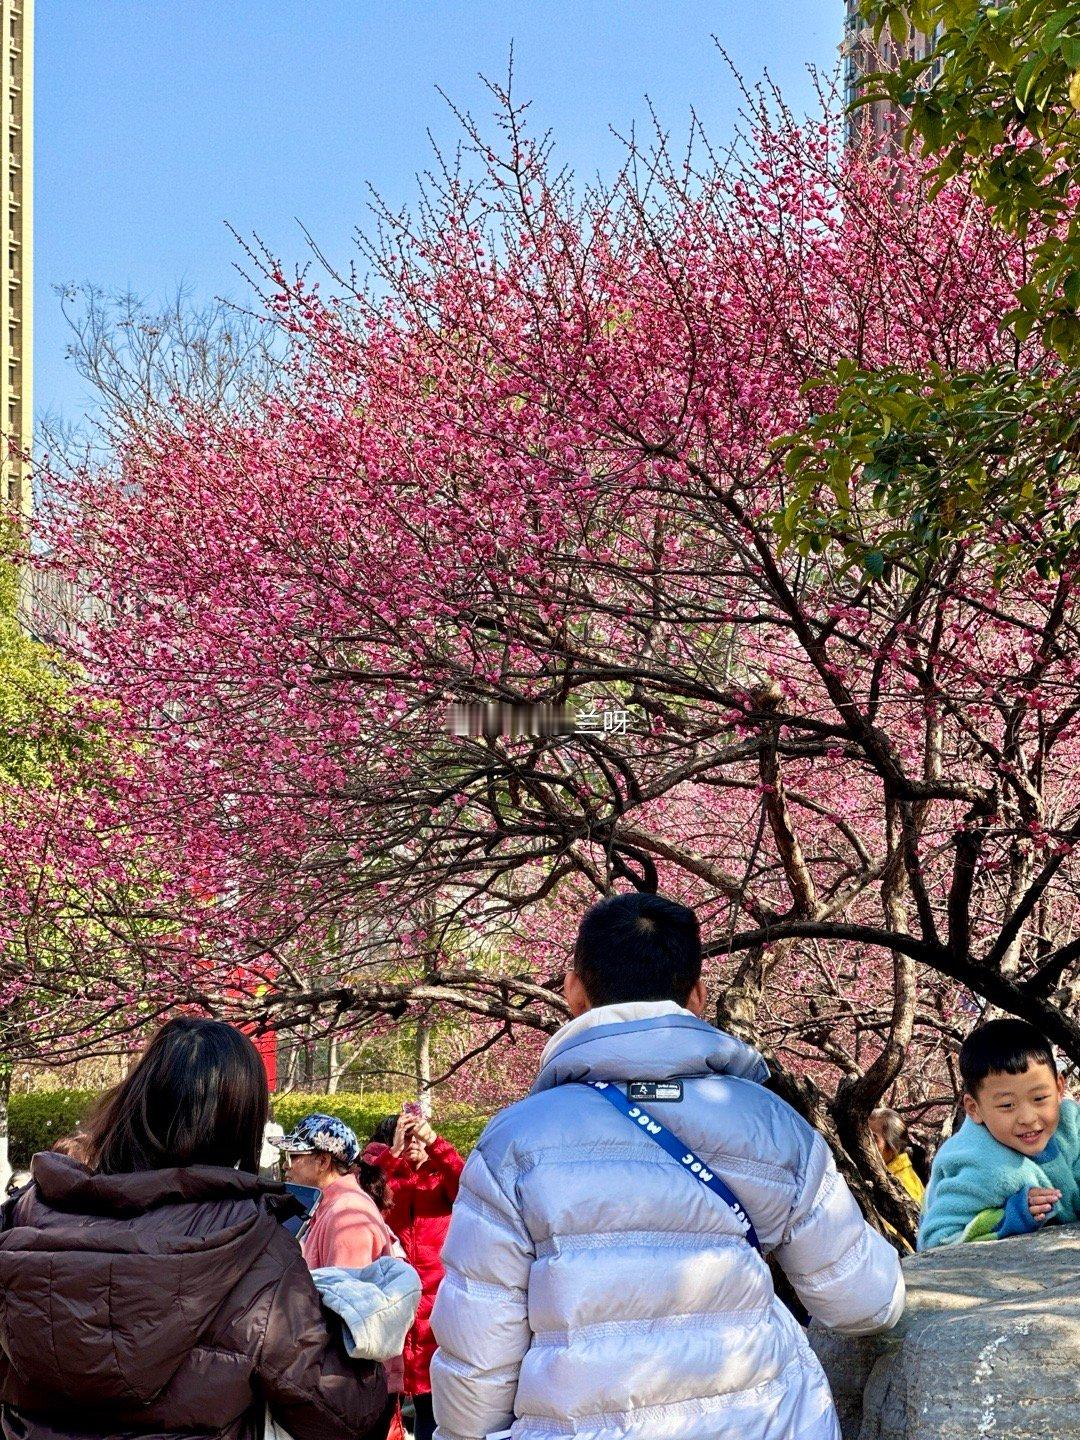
<point>879,1197</point>
<point>307,1062</point>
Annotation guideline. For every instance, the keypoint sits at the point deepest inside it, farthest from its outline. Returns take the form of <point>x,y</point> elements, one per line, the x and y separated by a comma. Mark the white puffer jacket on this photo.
<point>595,1290</point>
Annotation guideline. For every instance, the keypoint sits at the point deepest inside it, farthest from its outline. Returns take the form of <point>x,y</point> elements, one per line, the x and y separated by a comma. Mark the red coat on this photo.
<point>419,1216</point>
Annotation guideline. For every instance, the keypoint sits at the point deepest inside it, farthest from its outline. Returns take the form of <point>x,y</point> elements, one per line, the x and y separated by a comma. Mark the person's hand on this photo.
<point>402,1133</point>
<point>1041,1201</point>
<point>423,1130</point>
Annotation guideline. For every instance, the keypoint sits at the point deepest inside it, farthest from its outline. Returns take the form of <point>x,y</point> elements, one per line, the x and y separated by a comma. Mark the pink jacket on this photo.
<point>347,1230</point>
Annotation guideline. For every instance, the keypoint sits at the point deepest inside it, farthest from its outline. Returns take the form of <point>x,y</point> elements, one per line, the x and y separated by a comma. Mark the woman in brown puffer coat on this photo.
<point>156,1293</point>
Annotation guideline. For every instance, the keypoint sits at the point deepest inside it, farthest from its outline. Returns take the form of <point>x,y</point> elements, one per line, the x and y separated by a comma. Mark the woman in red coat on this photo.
<point>424,1171</point>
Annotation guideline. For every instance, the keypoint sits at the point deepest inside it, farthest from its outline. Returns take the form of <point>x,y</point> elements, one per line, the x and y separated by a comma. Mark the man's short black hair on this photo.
<point>1002,1047</point>
<point>638,947</point>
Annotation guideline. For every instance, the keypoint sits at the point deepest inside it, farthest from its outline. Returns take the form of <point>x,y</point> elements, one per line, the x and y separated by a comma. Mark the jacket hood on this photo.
<point>107,1282</point>
<point>64,1184</point>
<point>664,1046</point>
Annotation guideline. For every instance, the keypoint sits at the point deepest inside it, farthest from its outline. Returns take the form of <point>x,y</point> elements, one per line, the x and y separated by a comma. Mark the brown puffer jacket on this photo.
<point>167,1304</point>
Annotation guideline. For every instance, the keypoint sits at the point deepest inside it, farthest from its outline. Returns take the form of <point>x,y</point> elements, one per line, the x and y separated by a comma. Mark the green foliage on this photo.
<point>464,1132</point>
<point>896,467</point>
<point>361,1112</point>
<point>36,1121</point>
<point>998,100</point>
<point>905,464</point>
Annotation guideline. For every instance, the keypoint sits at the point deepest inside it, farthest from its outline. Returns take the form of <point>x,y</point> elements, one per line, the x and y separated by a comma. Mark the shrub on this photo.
<point>36,1121</point>
<point>463,1133</point>
<point>363,1112</point>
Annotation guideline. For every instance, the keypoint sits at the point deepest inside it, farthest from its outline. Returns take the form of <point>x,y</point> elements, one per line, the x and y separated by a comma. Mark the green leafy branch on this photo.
<point>997,99</point>
<point>902,466</point>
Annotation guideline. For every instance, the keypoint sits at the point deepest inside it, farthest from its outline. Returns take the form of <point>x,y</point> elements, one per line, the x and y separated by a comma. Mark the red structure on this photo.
<point>266,1045</point>
<point>245,984</point>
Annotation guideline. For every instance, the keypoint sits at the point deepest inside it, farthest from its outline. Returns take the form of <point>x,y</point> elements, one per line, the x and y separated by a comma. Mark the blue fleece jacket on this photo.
<point>974,1174</point>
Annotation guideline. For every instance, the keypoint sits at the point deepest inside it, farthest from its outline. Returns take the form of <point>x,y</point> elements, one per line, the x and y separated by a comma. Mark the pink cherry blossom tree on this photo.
<point>537,458</point>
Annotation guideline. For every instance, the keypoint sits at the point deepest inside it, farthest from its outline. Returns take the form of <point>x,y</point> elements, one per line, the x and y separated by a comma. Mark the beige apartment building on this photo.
<point>16,281</point>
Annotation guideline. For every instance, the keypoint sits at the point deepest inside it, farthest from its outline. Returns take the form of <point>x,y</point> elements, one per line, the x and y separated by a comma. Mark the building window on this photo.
<point>13,296</point>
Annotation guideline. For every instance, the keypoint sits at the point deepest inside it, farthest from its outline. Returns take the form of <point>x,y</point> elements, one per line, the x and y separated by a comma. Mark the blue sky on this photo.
<point>159,120</point>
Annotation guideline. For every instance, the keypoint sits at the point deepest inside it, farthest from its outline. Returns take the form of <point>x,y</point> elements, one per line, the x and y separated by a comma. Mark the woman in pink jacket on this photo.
<point>347,1228</point>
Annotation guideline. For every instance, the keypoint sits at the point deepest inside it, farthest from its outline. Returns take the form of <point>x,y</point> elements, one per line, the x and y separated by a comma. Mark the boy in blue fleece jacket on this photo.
<point>1014,1164</point>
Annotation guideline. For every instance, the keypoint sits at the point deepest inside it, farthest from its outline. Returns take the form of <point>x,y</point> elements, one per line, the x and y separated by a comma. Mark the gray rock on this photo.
<point>989,1346</point>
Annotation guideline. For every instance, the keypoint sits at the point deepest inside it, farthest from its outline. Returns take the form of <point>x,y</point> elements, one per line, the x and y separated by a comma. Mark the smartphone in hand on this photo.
<point>309,1196</point>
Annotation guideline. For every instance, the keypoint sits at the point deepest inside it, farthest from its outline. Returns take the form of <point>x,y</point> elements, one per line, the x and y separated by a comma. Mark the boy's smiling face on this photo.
<point>1021,1111</point>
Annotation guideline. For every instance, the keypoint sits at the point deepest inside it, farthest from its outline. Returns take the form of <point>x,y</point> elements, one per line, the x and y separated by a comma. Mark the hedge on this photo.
<point>36,1121</point>
<point>363,1113</point>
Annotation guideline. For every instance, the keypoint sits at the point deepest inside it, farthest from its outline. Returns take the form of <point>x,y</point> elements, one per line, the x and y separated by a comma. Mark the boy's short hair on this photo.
<point>1002,1047</point>
<point>638,947</point>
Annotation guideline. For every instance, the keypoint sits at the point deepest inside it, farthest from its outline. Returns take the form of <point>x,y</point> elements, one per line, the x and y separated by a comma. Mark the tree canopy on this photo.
<point>618,451</point>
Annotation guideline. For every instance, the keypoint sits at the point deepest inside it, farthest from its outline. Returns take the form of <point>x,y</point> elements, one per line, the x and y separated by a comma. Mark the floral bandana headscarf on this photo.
<point>325,1133</point>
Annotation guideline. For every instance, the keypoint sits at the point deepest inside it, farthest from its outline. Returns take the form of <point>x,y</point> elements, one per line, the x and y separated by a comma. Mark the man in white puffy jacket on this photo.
<point>595,1288</point>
